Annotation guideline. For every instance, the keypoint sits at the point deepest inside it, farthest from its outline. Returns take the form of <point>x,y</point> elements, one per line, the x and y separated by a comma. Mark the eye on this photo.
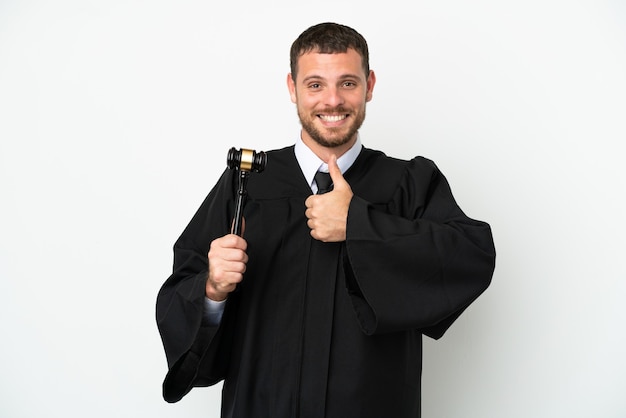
<point>349,84</point>
<point>314,86</point>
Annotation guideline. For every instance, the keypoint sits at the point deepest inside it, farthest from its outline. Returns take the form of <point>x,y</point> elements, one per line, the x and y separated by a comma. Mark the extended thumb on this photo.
<point>334,170</point>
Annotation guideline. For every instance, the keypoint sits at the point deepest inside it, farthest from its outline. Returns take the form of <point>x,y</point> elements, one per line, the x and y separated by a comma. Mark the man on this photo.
<point>319,309</point>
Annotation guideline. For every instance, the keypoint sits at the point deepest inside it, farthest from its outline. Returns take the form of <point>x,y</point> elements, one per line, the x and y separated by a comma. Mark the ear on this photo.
<point>371,81</point>
<point>291,85</point>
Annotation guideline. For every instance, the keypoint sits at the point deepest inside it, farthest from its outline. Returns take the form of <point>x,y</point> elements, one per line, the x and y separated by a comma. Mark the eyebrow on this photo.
<point>319,77</point>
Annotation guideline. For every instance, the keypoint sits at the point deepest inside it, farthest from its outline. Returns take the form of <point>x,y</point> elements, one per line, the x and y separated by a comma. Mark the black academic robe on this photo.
<point>324,329</point>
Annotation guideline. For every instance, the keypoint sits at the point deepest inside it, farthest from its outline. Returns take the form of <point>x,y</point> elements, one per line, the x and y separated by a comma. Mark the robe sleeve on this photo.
<point>419,261</point>
<point>197,354</point>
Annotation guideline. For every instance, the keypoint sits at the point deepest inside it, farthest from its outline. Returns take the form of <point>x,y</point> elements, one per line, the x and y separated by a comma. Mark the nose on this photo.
<point>333,97</point>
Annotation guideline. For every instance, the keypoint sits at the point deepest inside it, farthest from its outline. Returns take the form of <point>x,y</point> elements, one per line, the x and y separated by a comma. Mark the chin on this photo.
<point>332,142</point>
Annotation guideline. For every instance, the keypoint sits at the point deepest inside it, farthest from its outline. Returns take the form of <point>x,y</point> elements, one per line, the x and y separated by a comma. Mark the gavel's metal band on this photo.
<point>247,158</point>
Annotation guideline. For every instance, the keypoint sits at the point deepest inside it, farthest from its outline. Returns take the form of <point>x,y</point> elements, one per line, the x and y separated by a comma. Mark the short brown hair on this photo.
<point>329,38</point>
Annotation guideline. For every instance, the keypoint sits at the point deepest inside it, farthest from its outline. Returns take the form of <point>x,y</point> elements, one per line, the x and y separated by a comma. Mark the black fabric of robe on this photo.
<point>324,329</point>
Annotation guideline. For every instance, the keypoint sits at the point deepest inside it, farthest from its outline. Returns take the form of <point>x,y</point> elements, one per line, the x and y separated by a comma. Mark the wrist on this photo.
<point>214,294</point>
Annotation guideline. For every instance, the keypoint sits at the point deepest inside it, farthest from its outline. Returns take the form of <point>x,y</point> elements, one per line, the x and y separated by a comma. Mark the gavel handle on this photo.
<point>241,201</point>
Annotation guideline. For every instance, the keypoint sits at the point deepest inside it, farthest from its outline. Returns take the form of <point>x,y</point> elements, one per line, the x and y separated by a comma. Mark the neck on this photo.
<point>323,152</point>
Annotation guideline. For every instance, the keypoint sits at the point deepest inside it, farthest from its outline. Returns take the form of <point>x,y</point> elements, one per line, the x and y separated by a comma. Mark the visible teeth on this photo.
<point>332,118</point>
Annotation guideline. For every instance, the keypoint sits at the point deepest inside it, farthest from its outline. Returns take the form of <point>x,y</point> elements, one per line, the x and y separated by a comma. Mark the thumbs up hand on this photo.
<point>328,213</point>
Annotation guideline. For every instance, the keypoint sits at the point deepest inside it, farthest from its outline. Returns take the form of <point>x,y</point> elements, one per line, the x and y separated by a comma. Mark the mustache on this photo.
<point>339,109</point>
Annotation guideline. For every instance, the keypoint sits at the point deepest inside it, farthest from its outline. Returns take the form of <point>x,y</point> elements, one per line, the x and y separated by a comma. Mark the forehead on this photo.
<point>328,65</point>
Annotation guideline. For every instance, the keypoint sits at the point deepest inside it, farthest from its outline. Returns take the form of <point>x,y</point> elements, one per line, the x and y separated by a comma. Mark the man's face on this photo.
<point>330,92</point>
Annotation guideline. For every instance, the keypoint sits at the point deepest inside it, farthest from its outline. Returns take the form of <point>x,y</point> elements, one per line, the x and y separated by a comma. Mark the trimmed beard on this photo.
<point>334,140</point>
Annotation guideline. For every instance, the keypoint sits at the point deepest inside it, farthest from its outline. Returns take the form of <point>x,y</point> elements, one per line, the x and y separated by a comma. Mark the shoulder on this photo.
<point>378,177</point>
<point>280,159</point>
<point>281,177</point>
<point>417,166</point>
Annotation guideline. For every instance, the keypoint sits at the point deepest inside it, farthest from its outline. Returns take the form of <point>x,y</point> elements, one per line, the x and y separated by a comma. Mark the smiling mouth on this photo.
<point>332,118</point>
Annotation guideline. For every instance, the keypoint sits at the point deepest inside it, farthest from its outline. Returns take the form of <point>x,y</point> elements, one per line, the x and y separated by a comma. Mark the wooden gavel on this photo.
<point>245,161</point>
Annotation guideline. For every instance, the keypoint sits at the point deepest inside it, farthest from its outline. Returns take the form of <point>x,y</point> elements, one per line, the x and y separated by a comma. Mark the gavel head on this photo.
<point>246,160</point>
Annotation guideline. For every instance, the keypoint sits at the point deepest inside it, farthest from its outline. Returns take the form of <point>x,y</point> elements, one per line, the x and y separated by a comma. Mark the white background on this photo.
<point>115,120</point>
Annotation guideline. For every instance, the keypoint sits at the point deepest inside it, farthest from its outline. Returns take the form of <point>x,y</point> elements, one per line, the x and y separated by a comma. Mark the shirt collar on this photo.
<point>311,163</point>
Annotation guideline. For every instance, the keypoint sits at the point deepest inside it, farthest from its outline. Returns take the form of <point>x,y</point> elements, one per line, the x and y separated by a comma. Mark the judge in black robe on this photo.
<point>321,329</point>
